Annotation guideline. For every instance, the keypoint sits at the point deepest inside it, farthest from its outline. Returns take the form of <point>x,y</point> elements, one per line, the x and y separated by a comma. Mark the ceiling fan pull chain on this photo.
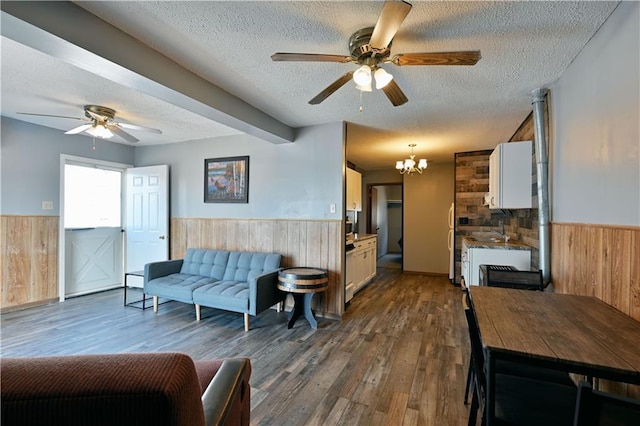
<point>361,107</point>
<point>94,143</point>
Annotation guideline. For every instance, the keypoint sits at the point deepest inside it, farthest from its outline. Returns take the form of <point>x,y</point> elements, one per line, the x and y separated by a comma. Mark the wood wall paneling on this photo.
<point>313,243</point>
<point>28,259</point>
<point>598,260</point>
<point>601,261</point>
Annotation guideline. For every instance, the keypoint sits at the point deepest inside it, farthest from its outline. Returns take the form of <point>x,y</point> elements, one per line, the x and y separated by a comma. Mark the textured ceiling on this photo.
<point>524,45</point>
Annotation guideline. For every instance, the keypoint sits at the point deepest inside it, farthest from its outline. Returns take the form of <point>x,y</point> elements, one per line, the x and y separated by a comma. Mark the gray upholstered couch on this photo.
<point>234,281</point>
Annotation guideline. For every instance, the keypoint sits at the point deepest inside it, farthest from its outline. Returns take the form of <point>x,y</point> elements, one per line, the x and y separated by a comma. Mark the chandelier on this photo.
<point>408,166</point>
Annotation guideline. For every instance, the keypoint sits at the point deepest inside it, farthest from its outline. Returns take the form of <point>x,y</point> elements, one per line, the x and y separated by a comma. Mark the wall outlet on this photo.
<point>332,208</point>
<point>47,205</point>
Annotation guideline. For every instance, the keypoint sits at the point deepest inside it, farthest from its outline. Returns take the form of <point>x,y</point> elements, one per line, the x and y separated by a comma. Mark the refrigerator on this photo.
<point>450,242</point>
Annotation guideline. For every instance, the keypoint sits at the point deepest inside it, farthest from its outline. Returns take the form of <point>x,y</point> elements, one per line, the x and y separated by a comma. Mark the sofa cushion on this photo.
<point>206,263</point>
<point>232,295</point>
<point>178,287</point>
<point>120,389</point>
<point>243,266</point>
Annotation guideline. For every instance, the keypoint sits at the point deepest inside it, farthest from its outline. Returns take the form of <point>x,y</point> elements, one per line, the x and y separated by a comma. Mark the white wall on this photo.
<point>297,180</point>
<point>30,164</point>
<point>595,132</point>
<point>427,198</point>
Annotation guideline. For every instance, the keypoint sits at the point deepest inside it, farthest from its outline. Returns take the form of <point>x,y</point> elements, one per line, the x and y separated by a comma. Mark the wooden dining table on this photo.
<point>577,334</point>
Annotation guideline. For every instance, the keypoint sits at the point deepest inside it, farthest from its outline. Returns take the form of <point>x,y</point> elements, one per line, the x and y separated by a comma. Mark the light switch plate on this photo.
<point>332,208</point>
<point>47,205</point>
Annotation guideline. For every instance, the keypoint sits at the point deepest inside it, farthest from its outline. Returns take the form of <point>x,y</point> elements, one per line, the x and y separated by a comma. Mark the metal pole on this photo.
<point>542,168</point>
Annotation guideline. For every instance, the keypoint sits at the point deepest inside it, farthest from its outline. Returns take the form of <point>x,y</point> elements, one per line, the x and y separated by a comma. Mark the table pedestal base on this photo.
<point>302,306</point>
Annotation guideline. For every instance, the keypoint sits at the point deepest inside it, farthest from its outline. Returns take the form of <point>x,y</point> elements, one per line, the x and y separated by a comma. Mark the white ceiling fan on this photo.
<point>101,123</point>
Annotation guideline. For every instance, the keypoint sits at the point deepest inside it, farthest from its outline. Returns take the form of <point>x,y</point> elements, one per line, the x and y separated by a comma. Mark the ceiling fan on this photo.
<point>101,123</point>
<point>370,47</point>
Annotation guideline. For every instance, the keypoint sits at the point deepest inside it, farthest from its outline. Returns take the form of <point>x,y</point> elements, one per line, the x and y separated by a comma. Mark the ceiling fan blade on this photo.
<point>394,93</point>
<point>124,135</point>
<point>136,127</point>
<point>331,88</point>
<point>391,17</point>
<point>309,57</point>
<point>50,115</point>
<point>78,129</point>
<point>438,58</point>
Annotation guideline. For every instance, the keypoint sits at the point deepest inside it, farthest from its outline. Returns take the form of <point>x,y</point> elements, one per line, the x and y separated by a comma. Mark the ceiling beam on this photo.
<point>70,33</point>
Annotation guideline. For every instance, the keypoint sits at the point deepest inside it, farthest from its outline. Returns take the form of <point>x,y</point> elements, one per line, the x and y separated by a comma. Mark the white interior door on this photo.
<point>147,223</point>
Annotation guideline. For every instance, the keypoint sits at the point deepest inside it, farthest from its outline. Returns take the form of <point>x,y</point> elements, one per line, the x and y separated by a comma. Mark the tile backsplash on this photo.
<point>472,217</point>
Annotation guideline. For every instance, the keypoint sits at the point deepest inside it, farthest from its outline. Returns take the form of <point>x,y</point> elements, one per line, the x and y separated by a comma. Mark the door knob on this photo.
<point>162,237</point>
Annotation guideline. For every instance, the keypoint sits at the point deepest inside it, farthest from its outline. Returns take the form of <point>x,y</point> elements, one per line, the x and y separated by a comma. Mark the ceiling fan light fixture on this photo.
<point>364,88</point>
<point>100,131</point>
<point>362,76</point>
<point>382,78</point>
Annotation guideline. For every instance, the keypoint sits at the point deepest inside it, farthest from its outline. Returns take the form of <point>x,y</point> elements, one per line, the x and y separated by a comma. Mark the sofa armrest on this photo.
<point>263,292</point>
<point>227,398</point>
<point>155,270</point>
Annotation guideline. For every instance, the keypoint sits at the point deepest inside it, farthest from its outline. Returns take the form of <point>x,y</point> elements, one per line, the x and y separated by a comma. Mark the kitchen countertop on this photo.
<point>361,237</point>
<point>490,243</point>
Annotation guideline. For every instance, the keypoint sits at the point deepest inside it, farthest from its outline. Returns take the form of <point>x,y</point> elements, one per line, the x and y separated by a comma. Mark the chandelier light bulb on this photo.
<point>382,78</point>
<point>362,76</point>
<point>409,163</point>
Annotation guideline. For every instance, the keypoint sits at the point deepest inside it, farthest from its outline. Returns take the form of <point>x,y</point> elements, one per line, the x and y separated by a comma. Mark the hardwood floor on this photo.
<point>399,355</point>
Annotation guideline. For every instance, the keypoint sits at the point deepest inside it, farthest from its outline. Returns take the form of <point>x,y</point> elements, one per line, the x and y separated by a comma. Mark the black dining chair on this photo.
<point>597,408</point>
<point>519,401</point>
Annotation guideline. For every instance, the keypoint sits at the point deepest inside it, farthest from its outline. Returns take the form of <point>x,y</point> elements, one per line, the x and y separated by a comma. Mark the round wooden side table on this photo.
<point>302,283</point>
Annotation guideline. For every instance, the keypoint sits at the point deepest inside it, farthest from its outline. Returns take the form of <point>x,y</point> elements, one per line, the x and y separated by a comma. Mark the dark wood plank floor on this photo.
<point>399,355</point>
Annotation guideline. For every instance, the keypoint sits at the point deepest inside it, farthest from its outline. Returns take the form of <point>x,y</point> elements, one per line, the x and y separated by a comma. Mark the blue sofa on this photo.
<point>234,281</point>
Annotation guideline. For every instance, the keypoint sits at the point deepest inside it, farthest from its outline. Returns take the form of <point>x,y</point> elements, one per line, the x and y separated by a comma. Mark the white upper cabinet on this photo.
<point>354,190</point>
<point>510,176</point>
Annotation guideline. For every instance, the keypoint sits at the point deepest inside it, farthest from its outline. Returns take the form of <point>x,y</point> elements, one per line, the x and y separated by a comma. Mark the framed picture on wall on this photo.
<point>226,180</point>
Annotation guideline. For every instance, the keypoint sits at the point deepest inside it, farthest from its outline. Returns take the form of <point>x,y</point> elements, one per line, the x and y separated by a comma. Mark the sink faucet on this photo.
<point>502,233</point>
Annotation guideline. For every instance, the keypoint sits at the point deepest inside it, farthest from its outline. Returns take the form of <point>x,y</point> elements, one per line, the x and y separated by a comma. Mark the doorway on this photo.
<point>384,218</point>
<point>91,216</point>
<point>93,253</point>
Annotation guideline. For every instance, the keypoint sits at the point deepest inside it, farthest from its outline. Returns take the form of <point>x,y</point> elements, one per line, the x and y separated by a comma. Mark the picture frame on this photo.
<point>226,180</point>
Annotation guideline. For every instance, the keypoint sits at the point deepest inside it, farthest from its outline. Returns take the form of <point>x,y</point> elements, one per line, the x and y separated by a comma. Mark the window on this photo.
<point>92,197</point>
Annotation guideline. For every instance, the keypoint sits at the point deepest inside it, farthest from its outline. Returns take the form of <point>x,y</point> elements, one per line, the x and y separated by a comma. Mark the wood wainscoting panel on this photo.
<point>601,261</point>
<point>28,259</point>
<point>304,242</point>
<point>598,260</point>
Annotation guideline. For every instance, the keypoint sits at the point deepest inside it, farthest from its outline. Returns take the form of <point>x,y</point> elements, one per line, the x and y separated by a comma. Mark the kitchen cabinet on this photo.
<point>510,174</point>
<point>354,190</point>
<point>360,265</point>
<point>492,253</point>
